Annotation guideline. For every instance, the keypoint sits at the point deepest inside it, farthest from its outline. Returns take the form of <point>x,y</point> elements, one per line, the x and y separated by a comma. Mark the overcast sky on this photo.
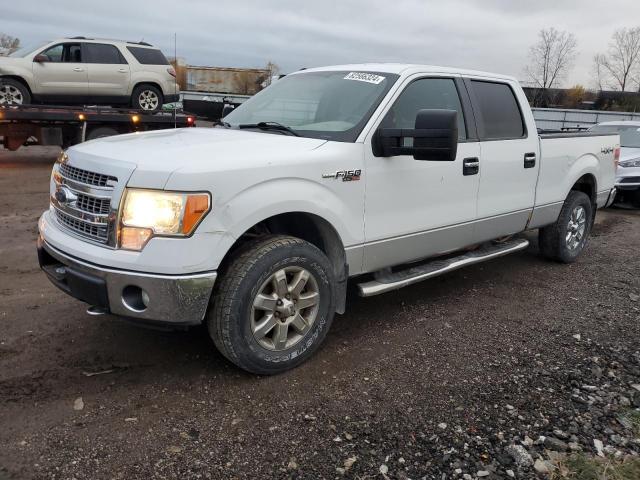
<point>491,35</point>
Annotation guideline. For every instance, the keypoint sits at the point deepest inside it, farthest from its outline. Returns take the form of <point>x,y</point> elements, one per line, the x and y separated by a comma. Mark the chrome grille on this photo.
<point>90,204</point>
<point>86,177</point>
<point>82,202</point>
<point>99,233</point>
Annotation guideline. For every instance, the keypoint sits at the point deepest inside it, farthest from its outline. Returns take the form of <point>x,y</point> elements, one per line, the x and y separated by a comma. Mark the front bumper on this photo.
<point>169,299</point>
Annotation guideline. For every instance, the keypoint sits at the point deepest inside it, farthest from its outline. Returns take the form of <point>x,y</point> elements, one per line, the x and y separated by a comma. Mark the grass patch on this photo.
<point>582,467</point>
<point>633,416</point>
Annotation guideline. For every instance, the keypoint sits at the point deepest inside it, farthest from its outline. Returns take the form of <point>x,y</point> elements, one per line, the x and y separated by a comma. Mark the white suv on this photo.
<point>80,70</point>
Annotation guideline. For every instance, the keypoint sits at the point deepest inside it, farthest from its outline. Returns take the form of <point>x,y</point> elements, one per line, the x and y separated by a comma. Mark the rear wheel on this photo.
<point>146,97</point>
<point>273,305</point>
<point>567,237</point>
<point>12,92</point>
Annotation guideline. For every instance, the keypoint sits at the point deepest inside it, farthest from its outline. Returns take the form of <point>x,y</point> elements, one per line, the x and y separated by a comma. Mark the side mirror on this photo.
<point>40,58</point>
<point>435,137</point>
<point>227,109</point>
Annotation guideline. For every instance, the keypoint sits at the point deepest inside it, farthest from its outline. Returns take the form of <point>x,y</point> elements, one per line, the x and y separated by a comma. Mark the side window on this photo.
<point>54,54</point>
<point>64,52</point>
<point>148,56</point>
<point>103,53</point>
<point>426,93</point>
<point>499,109</point>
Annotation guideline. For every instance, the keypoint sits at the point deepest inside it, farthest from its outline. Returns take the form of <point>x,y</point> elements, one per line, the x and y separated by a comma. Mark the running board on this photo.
<point>386,282</point>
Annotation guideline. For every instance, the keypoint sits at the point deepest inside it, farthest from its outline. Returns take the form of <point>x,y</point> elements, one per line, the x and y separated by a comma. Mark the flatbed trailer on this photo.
<point>66,126</point>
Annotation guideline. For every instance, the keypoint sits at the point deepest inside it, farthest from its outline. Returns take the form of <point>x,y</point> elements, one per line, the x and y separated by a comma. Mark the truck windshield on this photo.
<point>333,105</point>
<point>629,134</point>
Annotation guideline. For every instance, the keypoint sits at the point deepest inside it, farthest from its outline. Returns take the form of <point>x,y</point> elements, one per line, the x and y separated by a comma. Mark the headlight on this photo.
<point>153,212</point>
<point>630,163</point>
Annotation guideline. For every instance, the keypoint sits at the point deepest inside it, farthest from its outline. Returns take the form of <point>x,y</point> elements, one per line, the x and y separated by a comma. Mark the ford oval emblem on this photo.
<point>66,196</point>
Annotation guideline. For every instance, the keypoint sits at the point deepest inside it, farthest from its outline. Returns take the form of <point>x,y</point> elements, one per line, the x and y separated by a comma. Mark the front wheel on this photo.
<point>273,305</point>
<point>13,92</point>
<point>567,237</point>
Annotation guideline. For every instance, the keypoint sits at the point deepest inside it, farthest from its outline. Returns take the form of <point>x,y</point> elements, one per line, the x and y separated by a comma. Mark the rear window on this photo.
<point>148,56</point>
<point>103,53</point>
<point>499,110</point>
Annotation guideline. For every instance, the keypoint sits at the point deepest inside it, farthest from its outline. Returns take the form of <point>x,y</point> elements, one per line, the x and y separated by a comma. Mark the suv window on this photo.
<point>103,53</point>
<point>64,52</point>
<point>499,110</point>
<point>148,56</point>
<point>425,93</point>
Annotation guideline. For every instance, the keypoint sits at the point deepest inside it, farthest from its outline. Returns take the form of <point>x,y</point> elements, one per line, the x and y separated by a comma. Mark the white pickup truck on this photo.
<point>388,173</point>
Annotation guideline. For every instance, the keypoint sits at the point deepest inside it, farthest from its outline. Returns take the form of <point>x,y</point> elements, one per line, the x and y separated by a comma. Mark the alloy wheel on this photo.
<point>10,95</point>
<point>285,308</point>
<point>148,100</point>
<point>576,227</point>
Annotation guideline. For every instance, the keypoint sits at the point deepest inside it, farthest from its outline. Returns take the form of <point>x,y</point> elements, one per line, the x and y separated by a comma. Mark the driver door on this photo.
<point>64,76</point>
<point>415,209</point>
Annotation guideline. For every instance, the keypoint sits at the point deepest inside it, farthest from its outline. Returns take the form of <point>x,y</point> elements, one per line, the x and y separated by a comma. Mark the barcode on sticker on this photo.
<point>365,77</point>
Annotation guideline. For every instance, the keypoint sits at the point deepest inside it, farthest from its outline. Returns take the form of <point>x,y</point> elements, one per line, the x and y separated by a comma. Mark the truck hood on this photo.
<point>153,156</point>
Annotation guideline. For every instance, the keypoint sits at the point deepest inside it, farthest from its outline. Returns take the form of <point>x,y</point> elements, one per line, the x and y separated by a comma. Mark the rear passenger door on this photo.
<point>508,161</point>
<point>109,73</point>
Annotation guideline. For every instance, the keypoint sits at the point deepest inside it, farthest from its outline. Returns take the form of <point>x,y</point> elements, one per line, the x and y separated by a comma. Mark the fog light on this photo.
<point>135,298</point>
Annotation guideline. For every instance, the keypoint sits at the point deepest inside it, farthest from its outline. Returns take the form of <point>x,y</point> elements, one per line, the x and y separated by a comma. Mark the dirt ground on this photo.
<point>394,369</point>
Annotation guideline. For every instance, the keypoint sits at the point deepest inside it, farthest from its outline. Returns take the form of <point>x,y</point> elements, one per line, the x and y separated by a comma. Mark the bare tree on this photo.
<point>621,63</point>
<point>8,43</point>
<point>599,72</point>
<point>551,57</point>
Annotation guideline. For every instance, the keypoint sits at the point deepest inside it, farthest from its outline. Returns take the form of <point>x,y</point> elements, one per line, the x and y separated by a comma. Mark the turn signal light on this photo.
<point>134,238</point>
<point>616,156</point>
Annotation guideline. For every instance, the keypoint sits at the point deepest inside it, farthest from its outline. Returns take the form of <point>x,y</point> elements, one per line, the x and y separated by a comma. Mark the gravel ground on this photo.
<point>490,372</point>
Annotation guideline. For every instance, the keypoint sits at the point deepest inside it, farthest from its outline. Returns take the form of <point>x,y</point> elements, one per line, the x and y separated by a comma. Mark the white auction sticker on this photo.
<point>365,77</point>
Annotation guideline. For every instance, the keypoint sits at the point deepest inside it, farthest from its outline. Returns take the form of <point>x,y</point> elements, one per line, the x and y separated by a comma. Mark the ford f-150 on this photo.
<point>384,173</point>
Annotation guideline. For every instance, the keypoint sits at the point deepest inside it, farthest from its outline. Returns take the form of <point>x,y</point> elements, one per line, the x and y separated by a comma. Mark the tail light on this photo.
<point>190,121</point>
<point>616,156</point>
<point>171,72</point>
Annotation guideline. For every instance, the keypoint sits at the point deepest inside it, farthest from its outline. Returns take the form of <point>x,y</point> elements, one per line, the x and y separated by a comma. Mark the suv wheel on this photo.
<point>13,92</point>
<point>273,305</point>
<point>146,97</point>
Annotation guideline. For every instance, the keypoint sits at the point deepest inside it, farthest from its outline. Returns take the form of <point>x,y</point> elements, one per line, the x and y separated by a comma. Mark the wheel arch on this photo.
<point>20,79</point>
<point>311,228</point>
<point>587,184</point>
<point>146,82</point>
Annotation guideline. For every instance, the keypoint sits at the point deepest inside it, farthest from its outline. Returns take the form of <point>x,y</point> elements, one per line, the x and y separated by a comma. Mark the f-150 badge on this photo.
<point>345,175</point>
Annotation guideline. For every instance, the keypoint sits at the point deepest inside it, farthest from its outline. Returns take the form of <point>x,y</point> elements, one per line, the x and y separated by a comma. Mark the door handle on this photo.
<point>123,70</point>
<point>470,166</point>
<point>78,69</point>
<point>529,160</point>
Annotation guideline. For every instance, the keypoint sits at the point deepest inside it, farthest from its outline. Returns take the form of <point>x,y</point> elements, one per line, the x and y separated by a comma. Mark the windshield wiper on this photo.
<point>270,126</point>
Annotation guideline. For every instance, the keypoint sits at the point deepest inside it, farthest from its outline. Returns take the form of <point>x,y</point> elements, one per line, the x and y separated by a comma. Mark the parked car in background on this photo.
<point>81,70</point>
<point>628,171</point>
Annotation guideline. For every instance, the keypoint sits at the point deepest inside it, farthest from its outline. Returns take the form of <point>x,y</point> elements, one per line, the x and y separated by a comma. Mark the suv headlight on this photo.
<point>630,163</point>
<point>149,213</point>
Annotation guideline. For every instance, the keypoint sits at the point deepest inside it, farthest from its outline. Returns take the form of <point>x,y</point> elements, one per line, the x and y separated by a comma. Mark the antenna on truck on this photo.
<point>175,80</point>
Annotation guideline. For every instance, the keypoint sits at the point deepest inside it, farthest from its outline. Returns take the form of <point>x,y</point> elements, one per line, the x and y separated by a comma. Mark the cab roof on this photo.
<point>406,69</point>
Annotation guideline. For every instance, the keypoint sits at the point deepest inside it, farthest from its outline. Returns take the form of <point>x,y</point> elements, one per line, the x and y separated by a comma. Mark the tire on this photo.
<point>101,132</point>
<point>147,98</point>
<point>13,92</point>
<point>562,241</point>
<point>251,336</point>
